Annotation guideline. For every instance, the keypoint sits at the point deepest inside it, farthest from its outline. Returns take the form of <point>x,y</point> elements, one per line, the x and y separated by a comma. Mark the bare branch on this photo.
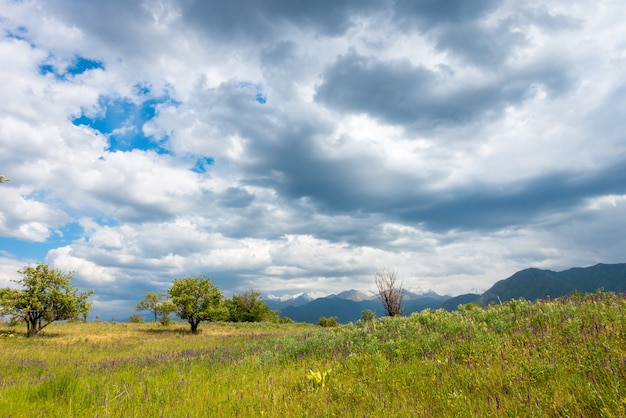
<point>389,290</point>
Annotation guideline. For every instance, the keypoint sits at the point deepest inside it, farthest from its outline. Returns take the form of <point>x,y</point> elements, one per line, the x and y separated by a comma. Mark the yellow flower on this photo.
<point>319,378</point>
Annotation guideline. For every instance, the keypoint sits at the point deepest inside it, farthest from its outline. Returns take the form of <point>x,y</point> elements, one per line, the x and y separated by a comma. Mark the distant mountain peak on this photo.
<point>282,301</point>
<point>352,294</point>
<point>308,296</point>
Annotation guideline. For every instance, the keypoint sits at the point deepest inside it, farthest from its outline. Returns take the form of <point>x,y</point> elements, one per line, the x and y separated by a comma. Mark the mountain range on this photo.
<point>347,306</point>
<point>533,284</point>
<point>530,284</point>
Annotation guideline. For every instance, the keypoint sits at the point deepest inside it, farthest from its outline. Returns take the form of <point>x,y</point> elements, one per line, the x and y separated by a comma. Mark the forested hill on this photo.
<point>532,284</point>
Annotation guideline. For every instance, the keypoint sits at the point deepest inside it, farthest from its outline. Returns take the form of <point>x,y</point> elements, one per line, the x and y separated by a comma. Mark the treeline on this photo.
<point>44,295</point>
<point>197,299</point>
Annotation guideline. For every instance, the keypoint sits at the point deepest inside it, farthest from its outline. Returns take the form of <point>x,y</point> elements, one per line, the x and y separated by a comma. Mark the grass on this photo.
<point>565,357</point>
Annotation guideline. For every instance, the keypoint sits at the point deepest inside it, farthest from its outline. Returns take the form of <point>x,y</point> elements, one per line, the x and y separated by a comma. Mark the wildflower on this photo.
<point>319,378</point>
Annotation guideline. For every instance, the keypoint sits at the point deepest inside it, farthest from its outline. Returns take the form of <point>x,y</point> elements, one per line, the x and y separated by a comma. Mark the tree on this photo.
<point>151,302</point>
<point>46,295</point>
<point>197,299</point>
<point>249,307</point>
<point>389,290</point>
<point>3,178</point>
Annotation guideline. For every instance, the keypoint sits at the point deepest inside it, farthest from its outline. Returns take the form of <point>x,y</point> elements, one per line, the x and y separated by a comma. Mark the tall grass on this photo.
<point>565,357</point>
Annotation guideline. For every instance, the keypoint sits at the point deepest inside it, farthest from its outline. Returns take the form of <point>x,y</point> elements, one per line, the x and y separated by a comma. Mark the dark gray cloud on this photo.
<point>263,19</point>
<point>293,163</point>
<point>460,27</point>
<point>278,54</point>
<point>429,13</point>
<point>234,197</point>
<point>118,24</point>
<point>400,93</point>
<point>485,207</point>
<point>355,186</point>
<point>480,46</point>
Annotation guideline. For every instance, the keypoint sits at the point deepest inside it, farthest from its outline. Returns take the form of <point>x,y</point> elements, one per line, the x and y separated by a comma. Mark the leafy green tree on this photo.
<point>197,299</point>
<point>3,178</point>
<point>151,303</point>
<point>249,307</point>
<point>46,295</point>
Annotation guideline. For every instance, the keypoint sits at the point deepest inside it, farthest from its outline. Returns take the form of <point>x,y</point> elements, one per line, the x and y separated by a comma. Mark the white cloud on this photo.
<point>27,219</point>
<point>9,267</point>
<point>89,272</point>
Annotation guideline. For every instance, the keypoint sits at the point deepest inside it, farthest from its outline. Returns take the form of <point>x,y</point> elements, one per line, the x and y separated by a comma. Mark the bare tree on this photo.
<point>389,290</point>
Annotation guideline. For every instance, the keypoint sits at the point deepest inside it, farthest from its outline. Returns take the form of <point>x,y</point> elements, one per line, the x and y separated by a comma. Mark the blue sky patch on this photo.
<point>26,250</point>
<point>261,98</point>
<point>37,251</point>
<point>46,69</point>
<point>78,66</point>
<point>82,64</point>
<point>201,165</point>
<point>142,89</point>
<point>122,119</point>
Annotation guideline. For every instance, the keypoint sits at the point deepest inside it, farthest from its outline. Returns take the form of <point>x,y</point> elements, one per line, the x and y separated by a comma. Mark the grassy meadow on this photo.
<point>565,357</point>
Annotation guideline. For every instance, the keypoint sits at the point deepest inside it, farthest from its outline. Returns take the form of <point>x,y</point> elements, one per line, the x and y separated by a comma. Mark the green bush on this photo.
<point>249,307</point>
<point>328,322</point>
<point>165,319</point>
<point>368,315</point>
<point>135,319</point>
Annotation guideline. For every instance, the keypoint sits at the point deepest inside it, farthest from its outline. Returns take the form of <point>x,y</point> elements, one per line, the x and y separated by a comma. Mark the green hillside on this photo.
<point>532,284</point>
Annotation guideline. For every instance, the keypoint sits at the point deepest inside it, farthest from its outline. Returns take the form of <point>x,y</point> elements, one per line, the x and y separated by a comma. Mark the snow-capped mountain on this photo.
<point>347,305</point>
<point>299,299</point>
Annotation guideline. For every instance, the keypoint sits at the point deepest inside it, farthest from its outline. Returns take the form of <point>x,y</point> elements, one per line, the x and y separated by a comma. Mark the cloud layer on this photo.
<point>292,147</point>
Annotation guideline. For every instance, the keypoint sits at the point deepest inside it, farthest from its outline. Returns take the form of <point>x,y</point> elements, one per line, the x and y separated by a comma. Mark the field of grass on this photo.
<point>565,357</point>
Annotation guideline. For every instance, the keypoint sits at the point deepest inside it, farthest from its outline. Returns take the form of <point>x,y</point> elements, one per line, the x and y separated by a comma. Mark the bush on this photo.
<point>165,319</point>
<point>135,319</point>
<point>328,322</point>
<point>249,307</point>
<point>368,315</point>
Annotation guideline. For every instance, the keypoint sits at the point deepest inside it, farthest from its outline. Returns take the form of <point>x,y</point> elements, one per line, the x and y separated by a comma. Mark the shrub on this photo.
<point>368,315</point>
<point>165,319</point>
<point>328,322</point>
<point>249,307</point>
<point>135,319</point>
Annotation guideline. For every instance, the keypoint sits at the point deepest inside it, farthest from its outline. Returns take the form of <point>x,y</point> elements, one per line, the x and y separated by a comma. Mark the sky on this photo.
<point>301,146</point>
